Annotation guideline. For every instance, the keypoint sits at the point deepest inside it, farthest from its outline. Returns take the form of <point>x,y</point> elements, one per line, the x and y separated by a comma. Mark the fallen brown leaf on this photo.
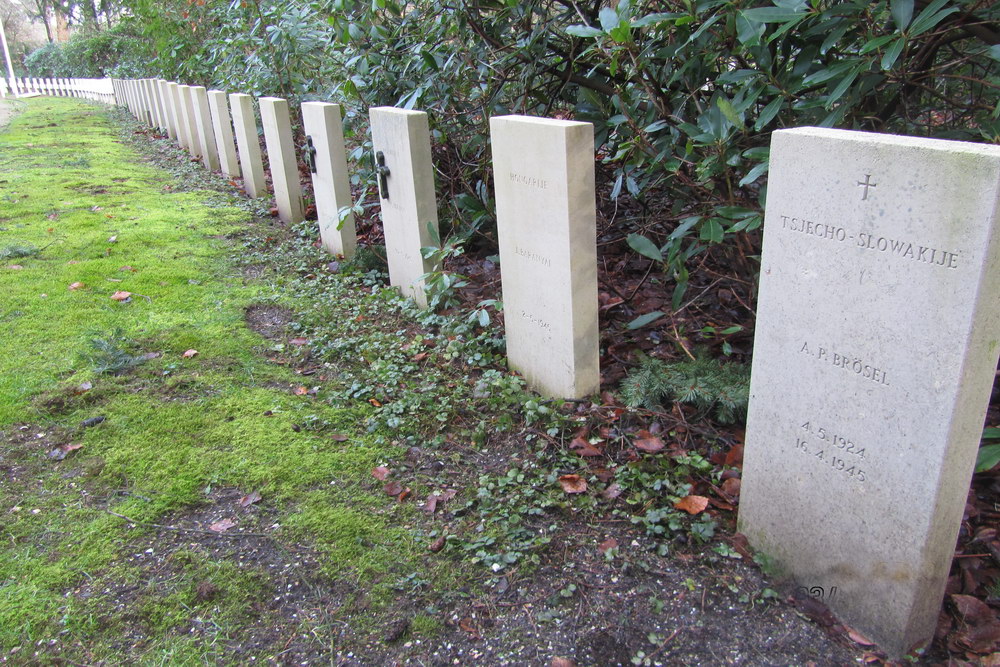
<point>731,487</point>
<point>859,638</point>
<point>299,341</point>
<point>222,525</point>
<point>647,442</point>
<point>14,267</point>
<point>734,457</point>
<point>562,662</point>
<point>380,473</point>
<point>612,491</point>
<point>437,545</point>
<point>573,484</point>
<point>607,545</point>
<point>301,391</point>
<point>76,286</point>
<point>393,488</point>
<point>60,452</point>
<point>467,625</point>
<point>250,499</point>
<point>121,296</point>
<point>83,388</point>
<point>339,437</point>
<point>189,354</point>
<point>692,504</point>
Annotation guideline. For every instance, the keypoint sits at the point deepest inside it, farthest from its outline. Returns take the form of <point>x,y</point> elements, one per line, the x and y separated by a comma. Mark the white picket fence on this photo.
<point>98,90</point>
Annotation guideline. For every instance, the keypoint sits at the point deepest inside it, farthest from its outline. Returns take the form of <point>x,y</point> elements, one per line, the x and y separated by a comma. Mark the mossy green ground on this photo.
<point>177,430</point>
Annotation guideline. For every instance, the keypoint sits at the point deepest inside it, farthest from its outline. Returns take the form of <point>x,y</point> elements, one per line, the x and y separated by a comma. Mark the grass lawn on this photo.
<point>84,218</point>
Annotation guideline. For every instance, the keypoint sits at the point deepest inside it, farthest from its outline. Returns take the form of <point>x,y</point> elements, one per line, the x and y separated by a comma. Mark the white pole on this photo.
<point>10,63</point>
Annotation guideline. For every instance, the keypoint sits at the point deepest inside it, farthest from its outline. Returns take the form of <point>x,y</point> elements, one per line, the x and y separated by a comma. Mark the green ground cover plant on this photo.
<point>98,385</point>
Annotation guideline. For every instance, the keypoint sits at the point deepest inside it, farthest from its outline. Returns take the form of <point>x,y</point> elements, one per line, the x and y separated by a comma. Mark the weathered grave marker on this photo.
<point>281,158</point>
<point>183,128</point>
<point>547,228</point>
<point>206,133</point>
<point>325,143</point>
<point>402,144</point>
<point>190,120</point>
<point>876,344</point>
<point>223,128</point>
<point>251,163</point>
<point>168,107</point>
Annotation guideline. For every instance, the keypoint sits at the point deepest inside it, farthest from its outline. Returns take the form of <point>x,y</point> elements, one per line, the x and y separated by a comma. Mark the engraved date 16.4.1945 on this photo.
<point>838,452</point>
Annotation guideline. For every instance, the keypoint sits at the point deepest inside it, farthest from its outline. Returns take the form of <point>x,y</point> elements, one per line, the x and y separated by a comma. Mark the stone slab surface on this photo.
<point>206,133</point>
<point>222,125</point>
<point>190,120</point>
<point>875,349</point>
<point>409,203</point>
<point>183,129</point>
<point>251,162</point>
<point>170,115</point>
<point>546,224</point>
<point>331,184</point>
<point>275,118</point>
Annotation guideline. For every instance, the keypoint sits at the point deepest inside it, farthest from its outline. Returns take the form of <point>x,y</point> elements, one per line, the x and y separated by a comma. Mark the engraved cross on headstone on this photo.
<point>868,184</point>
<point>383,174</point>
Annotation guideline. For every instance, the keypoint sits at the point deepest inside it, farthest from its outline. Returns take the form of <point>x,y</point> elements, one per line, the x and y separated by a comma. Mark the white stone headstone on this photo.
<point>147,101</point>
<point>190,121</point>
<point>183,127</point>
<point>408,202</point>
<point>547,228</point>
<point>275,118</point>
<point>248,141</point>
<point>206,133</point>
<point>168,107</point>
<point>223,128</point>
<point>877,335</point>
<point>331,185</point>
<point>163,120</point>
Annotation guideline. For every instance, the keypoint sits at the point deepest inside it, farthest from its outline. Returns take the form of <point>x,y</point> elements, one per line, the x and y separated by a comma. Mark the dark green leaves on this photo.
<point>644,247</point>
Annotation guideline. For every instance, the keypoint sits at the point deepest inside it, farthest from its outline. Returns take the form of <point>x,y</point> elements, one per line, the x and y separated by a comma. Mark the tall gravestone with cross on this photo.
<point>402,144</point>
<point>877,336</point>
<point>327,159</point>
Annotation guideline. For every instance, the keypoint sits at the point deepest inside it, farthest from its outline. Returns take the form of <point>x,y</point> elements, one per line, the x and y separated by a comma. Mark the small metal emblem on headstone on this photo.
<point>383,174</point>
<point>309,151</point>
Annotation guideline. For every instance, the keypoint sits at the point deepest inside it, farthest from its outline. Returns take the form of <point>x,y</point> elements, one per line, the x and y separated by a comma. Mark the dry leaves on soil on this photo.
<point>692,504</point>
<point>222,525</point>
<point>573,484</point>
<point>647,442</point>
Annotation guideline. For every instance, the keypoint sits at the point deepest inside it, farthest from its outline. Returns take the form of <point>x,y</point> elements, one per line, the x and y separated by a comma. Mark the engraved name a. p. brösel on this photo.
<point>530,181</point>
<point>899,247</point>
<point>850,363</point>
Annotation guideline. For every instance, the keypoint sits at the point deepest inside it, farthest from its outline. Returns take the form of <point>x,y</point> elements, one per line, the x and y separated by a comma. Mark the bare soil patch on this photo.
<point>268,320</point>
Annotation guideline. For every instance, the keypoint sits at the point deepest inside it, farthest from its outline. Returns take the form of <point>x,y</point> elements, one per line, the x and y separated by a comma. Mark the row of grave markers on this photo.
<point>98,90</point>
<point>552,334</point>
<point>877,334</point>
